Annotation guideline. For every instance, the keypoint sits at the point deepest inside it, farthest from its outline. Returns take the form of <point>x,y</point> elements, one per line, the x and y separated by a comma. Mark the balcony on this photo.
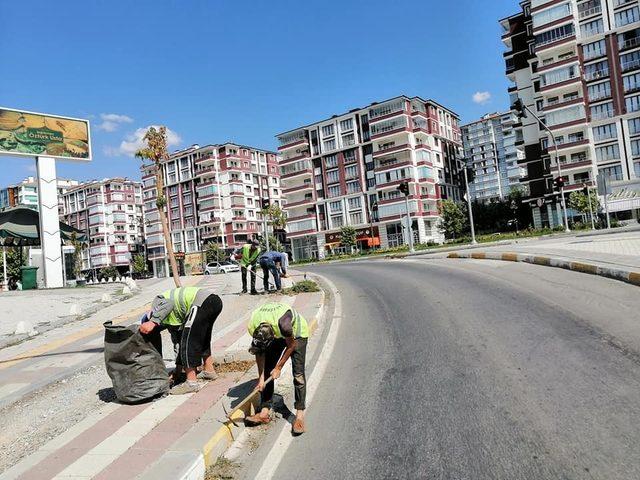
<point>602,115</point>
<point>629,43</point>
<point>589,12</point>
<point>631,65</point>
<point>302,226</point>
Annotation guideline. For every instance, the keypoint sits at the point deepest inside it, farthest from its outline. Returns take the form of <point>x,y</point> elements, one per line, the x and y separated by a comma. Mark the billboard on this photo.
<point>39,134</point>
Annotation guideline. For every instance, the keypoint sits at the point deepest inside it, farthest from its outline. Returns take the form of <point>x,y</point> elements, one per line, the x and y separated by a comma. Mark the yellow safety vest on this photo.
<point>270,313</point>
<point>247,259</point>
<point>182,298</point>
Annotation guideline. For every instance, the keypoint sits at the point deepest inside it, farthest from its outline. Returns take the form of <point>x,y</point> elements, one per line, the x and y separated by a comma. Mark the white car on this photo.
<point>221,267</point>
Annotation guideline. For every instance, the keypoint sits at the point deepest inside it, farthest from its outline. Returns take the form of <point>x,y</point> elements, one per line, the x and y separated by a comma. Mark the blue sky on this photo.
<point>243,71</point>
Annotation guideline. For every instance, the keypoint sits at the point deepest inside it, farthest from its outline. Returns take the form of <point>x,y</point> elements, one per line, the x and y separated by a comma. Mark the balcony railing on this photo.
<point>626,66</point>
<point>590,11</point>
<point>629,43</point>
<point>597,74</point>
<point>602,115</point>
<point>594,54</point>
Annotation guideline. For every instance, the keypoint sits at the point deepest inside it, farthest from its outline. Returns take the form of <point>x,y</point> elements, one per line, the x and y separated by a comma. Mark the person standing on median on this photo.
<point>273,262</point>
<point>278,332</point>
<point>189,314</point>
<point>248,255</point>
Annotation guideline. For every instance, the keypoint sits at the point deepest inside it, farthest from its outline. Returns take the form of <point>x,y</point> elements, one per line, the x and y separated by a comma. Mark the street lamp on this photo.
<point>522,110</point>
<point>468,195</point>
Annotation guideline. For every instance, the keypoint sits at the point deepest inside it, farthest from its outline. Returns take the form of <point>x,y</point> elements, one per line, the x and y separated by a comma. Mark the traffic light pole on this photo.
<point>409,230</point>
<point>563,203</point>
<point>473,229</point>
<point>593,223</point>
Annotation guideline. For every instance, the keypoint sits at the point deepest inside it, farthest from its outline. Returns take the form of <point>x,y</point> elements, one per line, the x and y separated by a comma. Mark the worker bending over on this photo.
<point>248,256</point>
<point>274,262</point>
<point>278,332</point>
<point>189,314</point>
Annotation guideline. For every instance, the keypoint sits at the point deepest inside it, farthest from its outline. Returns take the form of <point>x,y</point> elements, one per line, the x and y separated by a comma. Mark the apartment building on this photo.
<point>214,194</point>
<point>345,170</point>
<point>490,149</point>
<point>110,212</point>
<point>25,193</point>
<point>577,64</point>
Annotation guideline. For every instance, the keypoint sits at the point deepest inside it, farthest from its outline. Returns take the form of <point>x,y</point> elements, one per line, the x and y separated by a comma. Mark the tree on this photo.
<point>139,264</point>
<point>453,219</point>
<point>14,262</point>
<point>156,152</point>
<point>77,255</point>
<point>213,253</point>
<point>275,216</point>
<point>274,244</point>
<point>580,202</point>
<point>348,237</point>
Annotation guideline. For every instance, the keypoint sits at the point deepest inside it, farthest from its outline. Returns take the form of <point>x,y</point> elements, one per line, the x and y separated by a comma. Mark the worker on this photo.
<point>276,263</point>
<point>278,332</point>
<point>248,256</point>
<point>189,314</point>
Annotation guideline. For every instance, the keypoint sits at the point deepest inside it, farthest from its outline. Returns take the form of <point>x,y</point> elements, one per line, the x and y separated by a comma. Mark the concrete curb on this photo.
<point>621,274</point>
<point>224,436</point>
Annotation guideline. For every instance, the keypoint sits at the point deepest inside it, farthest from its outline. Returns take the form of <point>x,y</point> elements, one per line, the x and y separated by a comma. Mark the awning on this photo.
<point>21,227</point>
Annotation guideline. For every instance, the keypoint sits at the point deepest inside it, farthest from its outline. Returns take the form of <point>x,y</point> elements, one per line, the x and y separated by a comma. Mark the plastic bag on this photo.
<point>134,363</point>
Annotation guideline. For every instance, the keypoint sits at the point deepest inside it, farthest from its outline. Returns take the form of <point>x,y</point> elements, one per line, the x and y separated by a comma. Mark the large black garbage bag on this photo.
<point>134,363</point>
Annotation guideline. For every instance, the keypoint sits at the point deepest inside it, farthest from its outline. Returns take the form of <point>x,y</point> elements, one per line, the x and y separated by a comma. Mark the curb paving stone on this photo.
<point>621,274</point>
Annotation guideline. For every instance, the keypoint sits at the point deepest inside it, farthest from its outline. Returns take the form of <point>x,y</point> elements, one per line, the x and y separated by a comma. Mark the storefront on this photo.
<point>366,238</point>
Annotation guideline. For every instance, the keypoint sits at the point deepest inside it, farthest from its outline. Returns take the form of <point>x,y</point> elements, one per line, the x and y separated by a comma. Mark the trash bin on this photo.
<point>29,277</point>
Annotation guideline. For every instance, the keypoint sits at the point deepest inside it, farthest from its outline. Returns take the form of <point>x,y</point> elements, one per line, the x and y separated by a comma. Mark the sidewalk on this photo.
<point>161,438</point>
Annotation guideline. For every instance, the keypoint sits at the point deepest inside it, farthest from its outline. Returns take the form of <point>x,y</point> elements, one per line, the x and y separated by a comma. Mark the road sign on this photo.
<point>42,135</point>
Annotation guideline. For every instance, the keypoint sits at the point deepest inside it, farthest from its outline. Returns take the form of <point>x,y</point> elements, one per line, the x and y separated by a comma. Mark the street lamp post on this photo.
<point>409,230</point>
<point>520,107</point>
<point>473,229</point>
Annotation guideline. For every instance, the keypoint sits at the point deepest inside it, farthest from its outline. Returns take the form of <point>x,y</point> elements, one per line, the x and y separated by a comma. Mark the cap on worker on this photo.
<point>262,337</point>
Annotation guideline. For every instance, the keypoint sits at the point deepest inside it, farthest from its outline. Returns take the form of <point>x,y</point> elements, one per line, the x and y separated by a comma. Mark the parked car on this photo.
<point>221,267</point>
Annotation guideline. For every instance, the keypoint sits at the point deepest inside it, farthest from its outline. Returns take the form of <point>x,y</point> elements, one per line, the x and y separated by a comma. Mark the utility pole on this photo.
<point>265,227</point>
<point>522,110</point>
<point>404,188</point>
<point>606,201</point>
<point>588,193</point>
<point>468,195</point>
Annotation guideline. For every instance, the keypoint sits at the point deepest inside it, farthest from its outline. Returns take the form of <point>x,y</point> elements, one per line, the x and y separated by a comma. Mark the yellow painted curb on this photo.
<point>479,255</point>
<point>453,255</point>
<point>546,261</point>
<point>510,257</point>
<point>634,277</point>
<point>584,267</point>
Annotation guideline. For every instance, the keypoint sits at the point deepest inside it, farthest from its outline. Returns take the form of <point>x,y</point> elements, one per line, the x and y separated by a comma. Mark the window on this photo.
<point>388,125</point>
<point>353,187</point>
<point>351,172</point>
<point>591,28</point>
<point>559,75</point>
<point>331,161</point>
<point>604,110</point>
<point>599,91</point>
<point>632,103</point>
<point>635,148</point>
<point>625,17</point>
<point>328,145</point>
<point>629,61</point>
<point>346,124</point>
<point>423,155</point>
<point>551,14</point>
<point>333,191</point>
<point>327,130</point>
<point>333,176</point>
<point>348,140</point>
<point>593,50</point>
<point>596,70</point>
<point>425,172</point>
<point>608,152</point>
<point>355,202</point>
<point>554,35</point>
<point>565,115</point>
<point>355,218</point>
<point>604,132</point>
<point>631,82</point>
<point>392,175</point>
<point>612,173</point>
<point>335,207</point>
<point>337,221</point>
<point>636,169</point>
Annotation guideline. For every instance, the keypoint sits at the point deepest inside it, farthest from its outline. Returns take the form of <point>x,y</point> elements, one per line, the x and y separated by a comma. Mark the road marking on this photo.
<point>274,457</point>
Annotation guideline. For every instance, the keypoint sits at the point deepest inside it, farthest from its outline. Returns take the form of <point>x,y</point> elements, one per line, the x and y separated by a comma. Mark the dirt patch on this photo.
<point>239,366</point>
<point>223,469</point>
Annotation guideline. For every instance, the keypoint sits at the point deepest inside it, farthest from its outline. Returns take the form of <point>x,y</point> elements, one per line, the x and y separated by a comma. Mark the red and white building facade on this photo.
<point>109,211</point>
<point>214,194</point>
<point>337,171</point>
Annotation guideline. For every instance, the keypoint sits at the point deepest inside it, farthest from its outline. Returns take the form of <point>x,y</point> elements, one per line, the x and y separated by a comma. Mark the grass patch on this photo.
<point>305,286</point>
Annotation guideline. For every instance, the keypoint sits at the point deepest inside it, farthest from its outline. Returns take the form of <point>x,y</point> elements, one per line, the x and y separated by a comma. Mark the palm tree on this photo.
<point>156,153</point>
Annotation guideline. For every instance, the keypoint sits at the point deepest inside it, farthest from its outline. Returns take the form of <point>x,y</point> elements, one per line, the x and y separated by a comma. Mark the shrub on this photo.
<point>304,286</point>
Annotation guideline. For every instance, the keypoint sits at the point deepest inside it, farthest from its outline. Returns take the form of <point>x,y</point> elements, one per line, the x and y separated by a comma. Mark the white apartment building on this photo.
<point>214,194</point>
<point>345,170</point>
<point>25,193</point>
<point>110,212</point>
<point>490,148</point>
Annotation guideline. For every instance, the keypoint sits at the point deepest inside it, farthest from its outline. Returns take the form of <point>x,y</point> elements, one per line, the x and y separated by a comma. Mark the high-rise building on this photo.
<point>577,64</point>
<point>25,193</point>
<point>345,170</point>
<point>109,211</point>
<point>214,194</point>
<point>490,149</point>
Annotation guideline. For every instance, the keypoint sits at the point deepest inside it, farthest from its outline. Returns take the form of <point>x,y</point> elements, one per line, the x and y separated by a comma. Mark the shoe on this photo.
<point>298,426</point>
<point>177,378</point>
<point>254,292</point>
<point>257,419</point>
<point>204,375</point>
<point>244,290</point>
<point>186,387</point>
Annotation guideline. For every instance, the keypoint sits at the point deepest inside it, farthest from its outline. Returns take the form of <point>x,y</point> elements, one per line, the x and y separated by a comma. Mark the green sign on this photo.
<point>36,134</point>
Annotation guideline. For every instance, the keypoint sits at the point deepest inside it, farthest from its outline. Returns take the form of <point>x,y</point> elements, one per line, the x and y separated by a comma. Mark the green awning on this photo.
<point>20,226</point>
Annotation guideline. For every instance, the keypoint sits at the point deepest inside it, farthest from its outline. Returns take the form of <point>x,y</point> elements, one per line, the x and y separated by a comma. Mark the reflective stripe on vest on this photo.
<point>182,299</point>
<point>270,313</point>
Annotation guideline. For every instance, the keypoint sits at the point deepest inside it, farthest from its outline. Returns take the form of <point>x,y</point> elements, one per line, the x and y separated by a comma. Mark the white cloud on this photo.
<point>481,98</point>
<point>134,142</point>
<point>111,121</point>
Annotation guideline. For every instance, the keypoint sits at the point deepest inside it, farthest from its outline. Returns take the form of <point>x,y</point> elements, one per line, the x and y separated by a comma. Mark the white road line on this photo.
<point>274,457</point>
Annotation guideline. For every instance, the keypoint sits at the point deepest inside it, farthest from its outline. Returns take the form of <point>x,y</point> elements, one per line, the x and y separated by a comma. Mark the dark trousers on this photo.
<point>243,271</point>
<point>195,336</point>
<point>298,359</point>
<point>269,265</point>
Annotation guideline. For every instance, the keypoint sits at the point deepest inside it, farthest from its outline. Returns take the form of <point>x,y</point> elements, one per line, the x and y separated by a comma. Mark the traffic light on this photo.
<point>585,190</point>
<point>374,207</point>
<point>559,182</point>
<point>265,203</point>
<point>519,108</point>
<point>471,174</point>
<point>404,188</point>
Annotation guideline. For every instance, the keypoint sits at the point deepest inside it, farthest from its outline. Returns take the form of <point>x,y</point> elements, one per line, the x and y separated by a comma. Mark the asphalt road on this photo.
<point>464,369</point>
